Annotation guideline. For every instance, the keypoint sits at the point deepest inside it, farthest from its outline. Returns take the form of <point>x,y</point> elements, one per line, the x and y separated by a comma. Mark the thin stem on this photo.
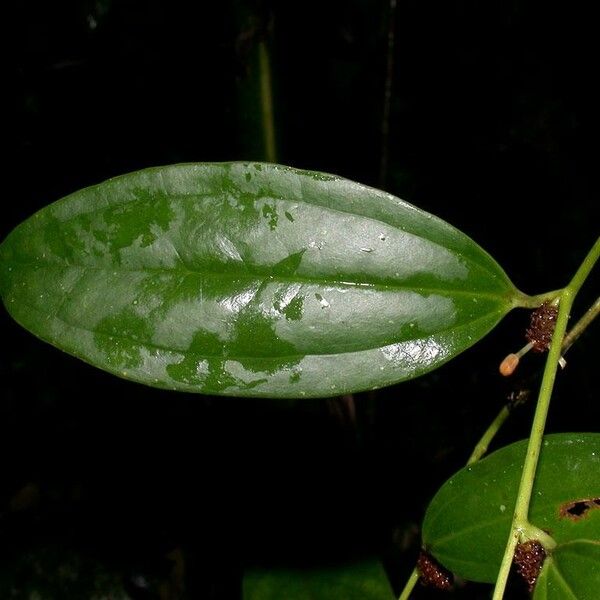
<point>506,563</point>
<point>586,266</point>
<point>484,443</point>
<point>592,312</point>
<point>410,585</point>
<point>266,101</point>
<point>520,516</point>
<point>560,343</point>
<point>535,442</point>
<point>539,419</point>
<point>526,301</point>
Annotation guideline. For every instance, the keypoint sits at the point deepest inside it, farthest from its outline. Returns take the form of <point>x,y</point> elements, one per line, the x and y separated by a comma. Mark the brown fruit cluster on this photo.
<point>432,573</point>
<point>529,558</point>
<point>541,326</point>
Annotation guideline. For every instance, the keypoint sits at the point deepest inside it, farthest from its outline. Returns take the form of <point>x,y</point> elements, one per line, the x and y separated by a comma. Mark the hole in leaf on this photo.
<point>578,509</point>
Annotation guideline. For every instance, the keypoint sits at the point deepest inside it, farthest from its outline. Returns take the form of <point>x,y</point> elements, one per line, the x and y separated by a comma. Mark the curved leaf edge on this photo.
<point>516,298</point>
<point>451,561</point>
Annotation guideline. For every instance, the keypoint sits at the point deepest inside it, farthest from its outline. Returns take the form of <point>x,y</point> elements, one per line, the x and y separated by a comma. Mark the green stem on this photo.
<point>483,444</point>
<point>570,338</point>
<point>592,312</point>
<point>410,585</point>
<point>525,301</point>
<point>266,102</point>
<point>539,419</point>
<point>520,516</point>
<point>586,266</point>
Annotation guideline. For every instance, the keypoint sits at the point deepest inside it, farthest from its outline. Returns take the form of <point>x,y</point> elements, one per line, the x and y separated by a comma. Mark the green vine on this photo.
<point>521,529</point>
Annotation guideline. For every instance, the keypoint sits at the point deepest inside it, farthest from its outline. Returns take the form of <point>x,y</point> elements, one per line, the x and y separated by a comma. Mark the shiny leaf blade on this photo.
<point>467,522</point>
<point>572,572</point>
<point>250,279</point>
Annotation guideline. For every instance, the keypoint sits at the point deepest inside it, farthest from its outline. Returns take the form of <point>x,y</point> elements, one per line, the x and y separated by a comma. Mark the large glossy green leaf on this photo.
<point>250,279</point>
<point>572,572</point>
<point>365,580</point>
<point>468,521</point>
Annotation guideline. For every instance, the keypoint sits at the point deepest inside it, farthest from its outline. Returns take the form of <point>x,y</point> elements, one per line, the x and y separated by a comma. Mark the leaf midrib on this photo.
<point>510,299</point>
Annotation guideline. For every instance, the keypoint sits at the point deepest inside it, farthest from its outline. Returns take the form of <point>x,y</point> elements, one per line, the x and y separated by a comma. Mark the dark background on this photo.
<point>492,126</point>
